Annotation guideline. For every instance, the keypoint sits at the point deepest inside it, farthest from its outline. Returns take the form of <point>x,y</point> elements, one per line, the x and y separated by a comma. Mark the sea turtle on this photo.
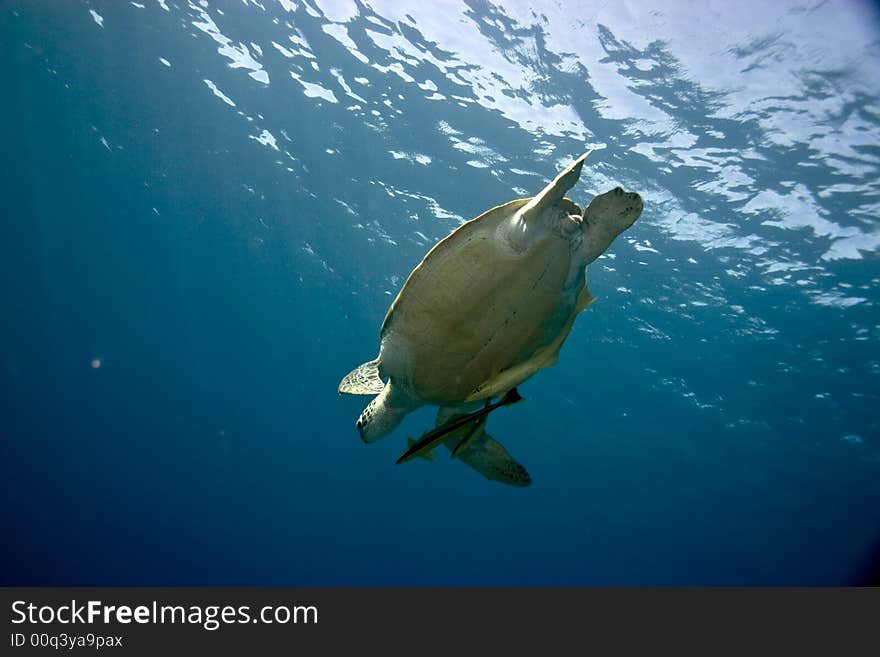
<point>488,306</point>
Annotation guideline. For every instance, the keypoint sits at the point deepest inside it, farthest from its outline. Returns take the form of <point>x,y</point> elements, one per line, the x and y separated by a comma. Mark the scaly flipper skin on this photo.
<point>385,412</point>
<point>477,449</point>
<point>362,380</point>
<point>488,457</point>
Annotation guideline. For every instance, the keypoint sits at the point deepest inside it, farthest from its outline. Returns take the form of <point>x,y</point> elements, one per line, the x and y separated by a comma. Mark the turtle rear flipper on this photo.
<point>488,457</point>
<point>363,380</point>
<point>471,445</point>
<point>453,425</point>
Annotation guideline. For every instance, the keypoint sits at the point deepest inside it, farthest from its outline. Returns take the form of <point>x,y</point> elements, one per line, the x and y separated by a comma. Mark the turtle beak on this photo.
<point>635,206</point>
<point>629,206</point>
<point>606,217</point>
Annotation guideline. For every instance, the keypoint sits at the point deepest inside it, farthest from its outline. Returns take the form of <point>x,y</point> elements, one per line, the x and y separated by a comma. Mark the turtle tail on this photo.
<point>384,413</point>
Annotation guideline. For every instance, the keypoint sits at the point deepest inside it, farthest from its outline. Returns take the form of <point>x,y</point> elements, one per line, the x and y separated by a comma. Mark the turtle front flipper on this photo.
<point>555,191</point>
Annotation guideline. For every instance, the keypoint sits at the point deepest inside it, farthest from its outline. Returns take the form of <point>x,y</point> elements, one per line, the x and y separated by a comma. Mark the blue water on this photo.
<point>207,208</point>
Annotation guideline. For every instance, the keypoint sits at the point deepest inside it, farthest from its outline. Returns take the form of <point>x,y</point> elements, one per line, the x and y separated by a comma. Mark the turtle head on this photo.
<point>607,216</point>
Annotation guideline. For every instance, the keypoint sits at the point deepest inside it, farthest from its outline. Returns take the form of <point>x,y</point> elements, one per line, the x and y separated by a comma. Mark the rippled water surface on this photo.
<point>210,205</point>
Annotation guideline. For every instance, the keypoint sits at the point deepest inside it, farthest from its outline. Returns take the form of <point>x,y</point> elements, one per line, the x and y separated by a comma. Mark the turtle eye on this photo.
<point>629,208</point>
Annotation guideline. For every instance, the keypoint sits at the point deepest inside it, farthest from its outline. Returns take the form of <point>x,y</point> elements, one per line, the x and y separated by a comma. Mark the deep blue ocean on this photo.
<point>208,206</point>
